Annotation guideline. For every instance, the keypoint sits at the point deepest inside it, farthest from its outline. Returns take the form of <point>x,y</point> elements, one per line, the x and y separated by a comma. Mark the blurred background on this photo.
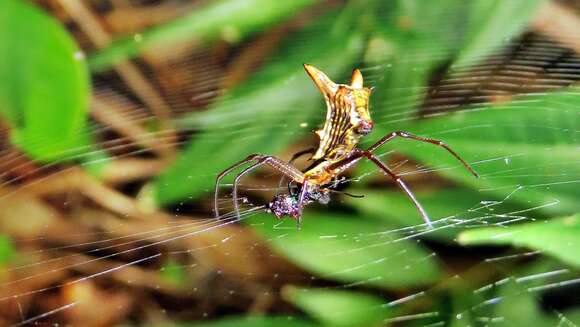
<point>117,115</point>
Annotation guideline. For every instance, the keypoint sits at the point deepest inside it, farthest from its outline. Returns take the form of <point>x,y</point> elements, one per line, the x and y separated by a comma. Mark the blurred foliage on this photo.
<point>44,92</point>
<point>520,306</point>
<point>367,255</point>
<point>339,308</point>
<point>448,204</point>
<point>44,83</point>
<point>522,136</point>
<point>557,237</point>
<point>255,322</point>
<point>491,23</point>
<point>232,20</point>
<point>460,32</point>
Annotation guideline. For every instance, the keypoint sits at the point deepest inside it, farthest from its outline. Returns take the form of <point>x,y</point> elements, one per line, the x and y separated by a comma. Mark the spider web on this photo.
<point>99,253</point>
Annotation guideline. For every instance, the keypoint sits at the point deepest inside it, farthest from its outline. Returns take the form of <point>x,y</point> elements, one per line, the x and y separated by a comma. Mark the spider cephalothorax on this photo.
<point>347,120</point>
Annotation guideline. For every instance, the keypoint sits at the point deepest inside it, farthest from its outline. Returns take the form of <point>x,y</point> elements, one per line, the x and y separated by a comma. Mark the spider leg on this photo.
<point>439,143</point>
<point>401,184</point>
<point>294,157</point>
<point>356,196</point>
<point>224,173</point>
<point>300,154</point>
<point>301,198</point>
<point>292,188</point>
<point>237,181</point>
<point>277,164</point>
<point>349,161</point>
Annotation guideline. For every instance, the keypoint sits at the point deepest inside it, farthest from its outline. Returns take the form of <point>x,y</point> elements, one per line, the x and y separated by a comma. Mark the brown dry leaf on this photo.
<point>28,217</point>
<point>94,307</point>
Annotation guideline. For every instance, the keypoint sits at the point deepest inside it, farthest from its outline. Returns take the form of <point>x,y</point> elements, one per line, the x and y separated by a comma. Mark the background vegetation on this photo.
<point>117,115</point>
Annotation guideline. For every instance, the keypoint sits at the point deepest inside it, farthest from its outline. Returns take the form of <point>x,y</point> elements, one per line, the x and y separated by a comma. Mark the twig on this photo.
<point>108,110</point>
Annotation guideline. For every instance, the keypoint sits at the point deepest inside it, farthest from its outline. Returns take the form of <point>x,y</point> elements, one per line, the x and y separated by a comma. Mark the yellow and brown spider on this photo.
<point>347,120</point>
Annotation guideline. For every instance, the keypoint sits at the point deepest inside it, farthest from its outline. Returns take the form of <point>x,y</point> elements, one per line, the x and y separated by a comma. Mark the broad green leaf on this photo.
<point>492,23</point>
<point>251,321</point>
<point>338,307</point>
<point>6,249</point>
<point>350,249</point>
<point>520,149</point>
<point>558,237</point>
<point>44,85</point>
<point>232,20</point>
<point>450,210</point>
<point>262,115</point>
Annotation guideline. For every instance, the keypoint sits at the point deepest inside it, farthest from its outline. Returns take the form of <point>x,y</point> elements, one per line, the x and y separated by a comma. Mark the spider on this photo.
<point>347,120</point>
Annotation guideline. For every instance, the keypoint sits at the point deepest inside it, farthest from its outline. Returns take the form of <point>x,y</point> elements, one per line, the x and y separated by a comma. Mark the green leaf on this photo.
<point>451,210</point>
<point>519,148</point>
<point>7,251</point>
<point>338,307</point>
<point>232,20</point>
<point>350,249</point>
<point>252,321</point>
<point>262,115</point>
<point>44,84</point>
<point>559,237</point>
<point>492,23</point>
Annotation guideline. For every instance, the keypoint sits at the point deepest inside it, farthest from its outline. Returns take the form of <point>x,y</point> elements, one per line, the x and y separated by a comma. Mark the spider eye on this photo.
<point>364,127</point>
